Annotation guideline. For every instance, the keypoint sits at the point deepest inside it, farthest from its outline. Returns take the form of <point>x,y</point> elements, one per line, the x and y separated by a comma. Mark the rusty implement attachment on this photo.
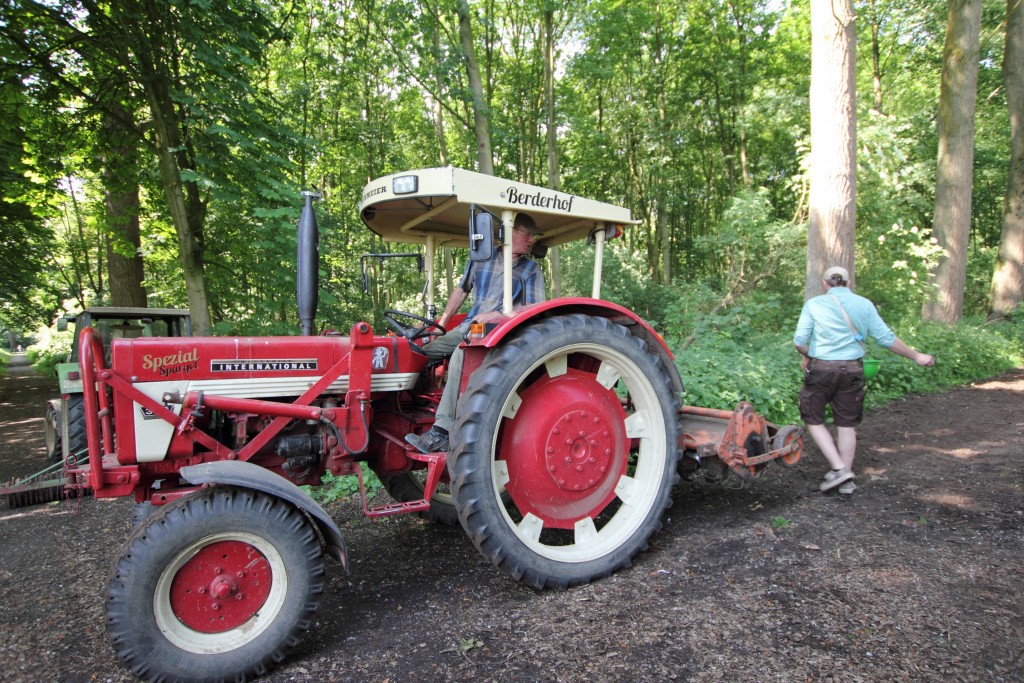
<point>740,439</point>
<point>45,486</point>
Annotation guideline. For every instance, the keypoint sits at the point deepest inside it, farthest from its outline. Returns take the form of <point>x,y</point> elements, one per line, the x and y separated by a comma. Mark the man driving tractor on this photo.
<point>484,278</point>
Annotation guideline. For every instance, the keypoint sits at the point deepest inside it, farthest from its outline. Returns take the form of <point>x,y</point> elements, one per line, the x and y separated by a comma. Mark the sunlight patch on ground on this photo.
<point>959,453</point>
<point>35,511</point>
<point>1017,387</point>
<point>956,500</point>
<point>34,421</point>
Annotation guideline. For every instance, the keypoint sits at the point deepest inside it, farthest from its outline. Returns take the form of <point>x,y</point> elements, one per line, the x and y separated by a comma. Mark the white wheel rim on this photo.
<point>198,642</point>
<point>637,493</point>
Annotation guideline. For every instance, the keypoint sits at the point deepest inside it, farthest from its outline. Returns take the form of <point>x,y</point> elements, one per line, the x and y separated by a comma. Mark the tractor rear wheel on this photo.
<point>409,487</point>
<point>564,451</point>
<point>219,585</point>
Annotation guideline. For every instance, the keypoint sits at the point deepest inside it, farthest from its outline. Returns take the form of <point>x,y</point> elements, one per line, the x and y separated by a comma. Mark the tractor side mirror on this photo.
<point>481,235</point>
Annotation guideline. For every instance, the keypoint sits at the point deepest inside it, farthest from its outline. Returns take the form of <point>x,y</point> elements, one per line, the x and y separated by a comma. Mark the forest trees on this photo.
<point>190,66</point>
<point>24,234</point>
<point>689,113</point>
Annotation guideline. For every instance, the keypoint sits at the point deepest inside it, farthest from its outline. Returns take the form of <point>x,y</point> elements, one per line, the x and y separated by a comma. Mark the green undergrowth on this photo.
<point>726,365</point>
<point>334,488</point>
<point>5,356</point>
<point>44,357</point>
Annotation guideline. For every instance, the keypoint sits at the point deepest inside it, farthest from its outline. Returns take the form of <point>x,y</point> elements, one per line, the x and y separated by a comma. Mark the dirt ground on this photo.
<point>915,577</point>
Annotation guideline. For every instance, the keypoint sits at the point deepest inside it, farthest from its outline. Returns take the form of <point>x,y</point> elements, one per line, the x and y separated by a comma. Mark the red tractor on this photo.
<point>565,450</point>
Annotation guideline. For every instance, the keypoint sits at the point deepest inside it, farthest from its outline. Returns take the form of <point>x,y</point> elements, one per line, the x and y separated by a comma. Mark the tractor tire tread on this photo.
<point>131,585</point>
<point>470,484</point>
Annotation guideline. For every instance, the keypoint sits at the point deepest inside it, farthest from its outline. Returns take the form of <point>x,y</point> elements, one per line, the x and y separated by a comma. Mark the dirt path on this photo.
<point>916,577</point>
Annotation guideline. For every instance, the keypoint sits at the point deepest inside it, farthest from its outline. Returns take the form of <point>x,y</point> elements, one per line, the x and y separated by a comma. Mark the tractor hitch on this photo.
<point>741,439</point>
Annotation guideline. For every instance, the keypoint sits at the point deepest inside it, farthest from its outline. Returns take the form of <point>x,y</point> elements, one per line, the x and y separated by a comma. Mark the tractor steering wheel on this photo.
<point>429,326</point>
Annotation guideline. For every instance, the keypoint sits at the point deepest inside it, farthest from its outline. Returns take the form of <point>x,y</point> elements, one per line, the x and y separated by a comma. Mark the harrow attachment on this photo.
<point>45,486</point>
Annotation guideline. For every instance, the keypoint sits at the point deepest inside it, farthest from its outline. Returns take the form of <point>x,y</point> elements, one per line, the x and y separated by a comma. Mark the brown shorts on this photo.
<point>839,383</point>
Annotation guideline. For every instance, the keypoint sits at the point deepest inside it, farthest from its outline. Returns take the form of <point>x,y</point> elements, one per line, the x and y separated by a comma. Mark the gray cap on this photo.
<point>525,221</point>
<point>836,270</point>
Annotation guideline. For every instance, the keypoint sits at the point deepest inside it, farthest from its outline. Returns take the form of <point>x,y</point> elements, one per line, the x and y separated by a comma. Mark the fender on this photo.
<point>247,475</point>
<point>595,307</point>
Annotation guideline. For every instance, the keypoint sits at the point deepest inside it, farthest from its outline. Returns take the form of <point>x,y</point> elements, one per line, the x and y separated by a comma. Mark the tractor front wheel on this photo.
<point>219,585</point>
<point>564,451</point>
<point>51,427</point>
<point>73,428</point>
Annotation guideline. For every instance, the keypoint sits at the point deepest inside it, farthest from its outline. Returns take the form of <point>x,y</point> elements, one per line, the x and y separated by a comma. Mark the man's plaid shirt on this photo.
<point>486,278</point>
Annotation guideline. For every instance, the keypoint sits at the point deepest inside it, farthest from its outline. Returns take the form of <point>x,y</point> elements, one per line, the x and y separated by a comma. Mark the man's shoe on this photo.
<point>847,488</point>
<point>431,441</point>
<point>835,478</point>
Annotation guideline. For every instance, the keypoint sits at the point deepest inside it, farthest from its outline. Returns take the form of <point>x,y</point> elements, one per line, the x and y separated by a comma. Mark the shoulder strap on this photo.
<point>849,323</point>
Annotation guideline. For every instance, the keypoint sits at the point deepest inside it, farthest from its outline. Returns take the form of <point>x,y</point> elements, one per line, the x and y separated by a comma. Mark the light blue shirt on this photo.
<point>823,329</point>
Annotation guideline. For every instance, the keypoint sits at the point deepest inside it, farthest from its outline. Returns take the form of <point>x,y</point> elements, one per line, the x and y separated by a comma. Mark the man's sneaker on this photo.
<point>847,488</point>
<point>431,441</point>
<point>835,478</point>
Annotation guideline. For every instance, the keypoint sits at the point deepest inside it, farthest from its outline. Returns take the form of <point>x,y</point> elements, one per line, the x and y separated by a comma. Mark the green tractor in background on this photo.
<point>65,416</point>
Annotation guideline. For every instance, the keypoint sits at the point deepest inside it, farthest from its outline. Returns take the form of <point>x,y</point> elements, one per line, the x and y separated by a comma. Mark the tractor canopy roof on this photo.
<point>409,206</point>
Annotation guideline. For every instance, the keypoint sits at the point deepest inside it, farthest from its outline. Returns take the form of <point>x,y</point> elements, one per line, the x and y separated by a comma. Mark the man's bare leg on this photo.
<point>823,439</point>
<point>847,445</point>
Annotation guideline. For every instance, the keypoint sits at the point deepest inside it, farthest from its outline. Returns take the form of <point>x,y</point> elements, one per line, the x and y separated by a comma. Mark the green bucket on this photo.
<point>871,367</point>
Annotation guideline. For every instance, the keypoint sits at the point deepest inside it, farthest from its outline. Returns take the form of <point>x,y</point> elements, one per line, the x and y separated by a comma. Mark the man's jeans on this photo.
<point>448,345</point>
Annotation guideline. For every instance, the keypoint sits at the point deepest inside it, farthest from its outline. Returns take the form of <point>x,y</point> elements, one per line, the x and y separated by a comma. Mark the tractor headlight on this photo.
<point>406,184</point>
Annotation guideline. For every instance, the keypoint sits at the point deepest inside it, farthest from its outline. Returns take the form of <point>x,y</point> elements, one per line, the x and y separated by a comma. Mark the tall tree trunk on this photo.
<point>1008,279</point>
<point>833,193</point>
<point>661,199</point>
<point>876,62</point>
<point>186,213</point>
<point>435,103</point>
<point>481,125</point>
<point>554,171</point>
<point>120,169</point>
<point>952,222</point>
<point>741,94</point>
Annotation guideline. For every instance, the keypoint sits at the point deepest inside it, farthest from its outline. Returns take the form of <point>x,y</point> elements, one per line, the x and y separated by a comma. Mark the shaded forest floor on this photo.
<point>915,577</point>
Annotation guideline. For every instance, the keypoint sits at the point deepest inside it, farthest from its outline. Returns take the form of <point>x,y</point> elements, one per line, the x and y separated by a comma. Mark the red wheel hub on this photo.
<point>565,449</point>
<point>579,450</point>
<point>221,587</point>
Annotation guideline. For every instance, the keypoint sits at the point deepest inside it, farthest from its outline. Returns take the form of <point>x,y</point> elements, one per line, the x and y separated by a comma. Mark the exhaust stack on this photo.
<point>307,265</point>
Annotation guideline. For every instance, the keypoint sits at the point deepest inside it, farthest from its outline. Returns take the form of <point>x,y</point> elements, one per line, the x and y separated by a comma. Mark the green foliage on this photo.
<point>719,371</point>
<point>746,354</point>
<point>334,488</point>
<point>656,105</point>
<point>781,523</point>
<point>970,351</point>
<point>895,249</point>
<point>23,229</point>
<point>45,355</point>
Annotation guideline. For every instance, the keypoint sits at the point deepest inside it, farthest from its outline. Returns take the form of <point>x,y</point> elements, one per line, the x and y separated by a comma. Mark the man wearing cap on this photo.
<point>830,336</point>
<point>485,279</point>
